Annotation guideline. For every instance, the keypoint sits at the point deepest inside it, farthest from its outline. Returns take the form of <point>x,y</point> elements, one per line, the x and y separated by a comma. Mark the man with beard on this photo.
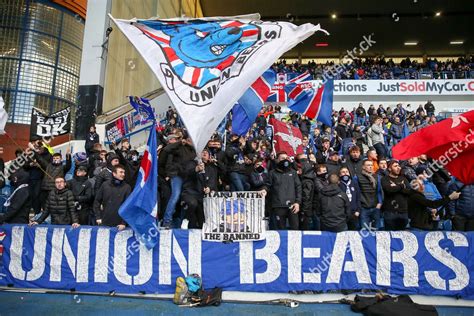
<point>353,161</point>
<point>396,190</point>
<point>370,200</point>
<point>81,188</point>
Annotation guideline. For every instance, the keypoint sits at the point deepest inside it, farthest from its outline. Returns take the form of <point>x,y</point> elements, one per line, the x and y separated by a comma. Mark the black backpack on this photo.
<point>391,306</point>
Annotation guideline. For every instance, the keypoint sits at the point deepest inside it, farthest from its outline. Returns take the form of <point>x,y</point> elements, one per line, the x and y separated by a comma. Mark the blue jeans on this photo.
<point>367,215</point>
<point>176,186</point>
<point>239,182</point>
<point>360,120</point>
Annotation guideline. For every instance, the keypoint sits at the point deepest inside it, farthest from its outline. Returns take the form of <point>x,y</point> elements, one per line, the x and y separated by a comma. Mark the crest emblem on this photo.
<point>200,54</point>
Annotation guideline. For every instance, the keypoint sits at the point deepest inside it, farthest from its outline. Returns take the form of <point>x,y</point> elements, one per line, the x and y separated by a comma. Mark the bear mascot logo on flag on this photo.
<point>204,55</point>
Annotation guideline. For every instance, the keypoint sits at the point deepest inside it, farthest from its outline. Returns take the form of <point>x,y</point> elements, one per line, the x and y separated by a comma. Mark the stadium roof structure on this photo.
<point>399,28</point>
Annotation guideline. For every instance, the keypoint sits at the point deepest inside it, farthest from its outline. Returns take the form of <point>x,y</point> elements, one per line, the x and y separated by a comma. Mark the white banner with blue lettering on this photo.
<point>96,259</point>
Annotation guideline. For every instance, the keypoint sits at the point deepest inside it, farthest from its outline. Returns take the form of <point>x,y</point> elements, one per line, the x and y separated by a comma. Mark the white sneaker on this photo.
<point>184,224</point>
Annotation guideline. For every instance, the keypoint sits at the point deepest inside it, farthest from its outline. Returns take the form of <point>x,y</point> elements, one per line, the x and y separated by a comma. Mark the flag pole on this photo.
<point>38,165</point>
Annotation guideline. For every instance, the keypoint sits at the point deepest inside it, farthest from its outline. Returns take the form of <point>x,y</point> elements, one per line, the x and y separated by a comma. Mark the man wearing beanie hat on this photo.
<point>81,188</point>
<point>106,173</point>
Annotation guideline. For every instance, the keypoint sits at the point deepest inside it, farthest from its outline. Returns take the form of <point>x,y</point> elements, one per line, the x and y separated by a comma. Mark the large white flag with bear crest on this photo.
<point>205,65</point>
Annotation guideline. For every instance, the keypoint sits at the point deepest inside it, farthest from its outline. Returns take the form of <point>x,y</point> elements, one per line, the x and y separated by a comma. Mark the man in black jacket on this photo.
<point>52,170</point>
<point>81,188</point>
<point>418,205</point>
<point>353,161</point>
<point>334,207</point>
<point>110,197</point>
<point>370,199</point>
<point>92,138</point>
<point>396,190</point>
<point>60,205</point>
<point>106,173</point>
<point>334,163</point>
<point>235,159</point>
<point>37,175</point>
<point>179,154</point>
<point>307,178</point>
<point>193,193</point>
<point>285,189</point>
<point>18,204</point>
<point>323,152</point>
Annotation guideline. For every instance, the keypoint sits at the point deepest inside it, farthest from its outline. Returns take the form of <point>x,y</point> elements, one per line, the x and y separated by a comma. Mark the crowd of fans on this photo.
<point>381,68</point>
<point>344,179</point>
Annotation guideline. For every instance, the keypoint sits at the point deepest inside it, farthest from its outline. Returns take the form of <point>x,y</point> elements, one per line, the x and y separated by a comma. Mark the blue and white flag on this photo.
<point>206,64</point>
<point>144,109</point>
<point>140,208</point>
<point>246,110</point>
<point>314,103</point>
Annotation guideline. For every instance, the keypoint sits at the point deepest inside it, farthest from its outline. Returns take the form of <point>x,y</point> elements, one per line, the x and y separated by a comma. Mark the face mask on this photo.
<point>303,160</point>
<point>56,163</point>
<point>345,178</point>
<point>213,150</point>
<point>284,164</point>
<point>323,175</point>
<point>260,169</point>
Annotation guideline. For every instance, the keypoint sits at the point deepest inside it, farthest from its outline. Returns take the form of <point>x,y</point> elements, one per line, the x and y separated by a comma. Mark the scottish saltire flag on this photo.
<point>140,208</point>
<point>206,64</point>
<point>246,110</point>
<point>314,103</point>
<point>143,107</point>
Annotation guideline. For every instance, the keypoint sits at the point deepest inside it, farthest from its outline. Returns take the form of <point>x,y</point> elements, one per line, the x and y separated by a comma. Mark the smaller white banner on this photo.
<point>234,216</point>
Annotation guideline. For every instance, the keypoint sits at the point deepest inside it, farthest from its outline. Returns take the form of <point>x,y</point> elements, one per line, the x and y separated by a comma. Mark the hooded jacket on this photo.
<point>105,174</point>
<point>285,187</point>
<point>308,178</point>
<point>18,205</point>
<point>334,206</point>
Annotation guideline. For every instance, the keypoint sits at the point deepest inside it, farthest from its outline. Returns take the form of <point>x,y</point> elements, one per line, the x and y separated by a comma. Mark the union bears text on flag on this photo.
<point>205,65</point>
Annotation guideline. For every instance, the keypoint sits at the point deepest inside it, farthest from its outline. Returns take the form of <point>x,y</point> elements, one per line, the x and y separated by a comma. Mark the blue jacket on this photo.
<point>355,193</point>
<point>465,204</point>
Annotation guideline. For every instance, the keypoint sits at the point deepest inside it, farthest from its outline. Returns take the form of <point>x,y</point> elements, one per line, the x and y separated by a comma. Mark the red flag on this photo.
<point>288,138</point>
<point>450,141</point>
